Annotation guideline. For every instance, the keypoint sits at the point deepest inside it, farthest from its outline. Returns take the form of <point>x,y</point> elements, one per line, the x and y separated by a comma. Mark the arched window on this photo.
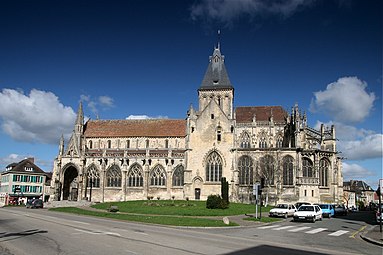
<point>288,170</point>
<point>113,177</point>
<point>267,165</point>
<point>213,167</point>
<point>135,176</point>
<point>245,167</point>
<point>90,144</point>
<point>307,168</point>
<point>158,176</point>
<point>109,144</point>
<point>262,143</point>
<point>178,176</point>
<point>93,177</point>
<point>279,142</point>
<point>245,140</point>
<point>323,172</point>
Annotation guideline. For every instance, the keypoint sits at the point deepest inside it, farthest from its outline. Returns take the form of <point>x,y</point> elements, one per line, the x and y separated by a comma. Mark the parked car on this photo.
<point>340,210</point>
<point>283,210</point>
<point>35,203</point>
<point>298,204</point>
<point>308,213</point>
<point>327,210</point>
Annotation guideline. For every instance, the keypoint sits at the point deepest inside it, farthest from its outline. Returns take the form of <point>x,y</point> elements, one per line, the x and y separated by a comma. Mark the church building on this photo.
<point>120,160</point>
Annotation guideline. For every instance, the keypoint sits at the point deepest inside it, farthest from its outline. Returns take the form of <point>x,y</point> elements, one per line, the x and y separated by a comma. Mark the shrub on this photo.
<point>216,202</point>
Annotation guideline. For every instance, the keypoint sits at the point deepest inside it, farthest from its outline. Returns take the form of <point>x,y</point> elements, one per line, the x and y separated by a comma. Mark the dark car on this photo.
<point>36,203</point>
<point>340,210</point>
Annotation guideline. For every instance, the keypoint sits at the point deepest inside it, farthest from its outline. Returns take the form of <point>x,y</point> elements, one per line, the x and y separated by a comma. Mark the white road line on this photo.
<point>338,233</point>
<point>298,229</point>
<point>269,226</point>
<point>317,230</point>
<point>88,232</point>
<point>75,221</point>
<point>112,234</point>
<point>282,228</point>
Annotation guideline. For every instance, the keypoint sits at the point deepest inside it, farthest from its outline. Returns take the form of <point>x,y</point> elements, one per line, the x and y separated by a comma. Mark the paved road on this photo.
<point>32,232</point>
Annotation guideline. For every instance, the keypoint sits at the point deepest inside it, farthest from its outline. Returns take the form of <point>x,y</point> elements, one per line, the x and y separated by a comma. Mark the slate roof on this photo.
<point>23,165</point>
<point>245,114</point>
<point>136,128</point>
<point>357,185</point>
<point>216,75</point>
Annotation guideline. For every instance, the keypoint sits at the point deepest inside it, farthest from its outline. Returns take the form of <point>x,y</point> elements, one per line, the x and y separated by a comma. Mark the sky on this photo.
<point>125,59</point>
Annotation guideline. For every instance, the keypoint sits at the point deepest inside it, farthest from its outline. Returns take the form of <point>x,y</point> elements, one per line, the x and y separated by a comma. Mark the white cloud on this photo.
<point>339,100</point>
<point>354,143</point>
<point>11,158</point>
<point>144,117</point>
<point>37,117</point>
<point>229,10</point>
<point>16,158</point>
<point>355,172</point>
<point>93,104</point>
<point>106,101</point>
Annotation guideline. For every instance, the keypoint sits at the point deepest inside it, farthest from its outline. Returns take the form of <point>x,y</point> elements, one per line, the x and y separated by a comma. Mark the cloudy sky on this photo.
<point>134,59</point>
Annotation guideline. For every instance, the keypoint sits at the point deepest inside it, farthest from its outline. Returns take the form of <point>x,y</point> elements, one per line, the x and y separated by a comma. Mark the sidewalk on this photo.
<point>373,235</point>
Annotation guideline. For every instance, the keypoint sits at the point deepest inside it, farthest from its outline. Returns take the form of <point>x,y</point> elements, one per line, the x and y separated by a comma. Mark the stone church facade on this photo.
<point>119,160</point>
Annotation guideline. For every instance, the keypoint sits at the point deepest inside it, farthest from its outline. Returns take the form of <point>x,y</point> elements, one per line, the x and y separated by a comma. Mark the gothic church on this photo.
<point>119,160</point>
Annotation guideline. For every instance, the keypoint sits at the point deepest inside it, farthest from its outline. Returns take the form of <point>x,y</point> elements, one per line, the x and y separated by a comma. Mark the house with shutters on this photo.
<point>22,181</point>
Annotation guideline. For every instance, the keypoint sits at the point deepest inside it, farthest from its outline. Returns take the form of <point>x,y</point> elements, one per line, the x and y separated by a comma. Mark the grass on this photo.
<point>169,212</point>
<point>178,207</point>
<point>163,220</point>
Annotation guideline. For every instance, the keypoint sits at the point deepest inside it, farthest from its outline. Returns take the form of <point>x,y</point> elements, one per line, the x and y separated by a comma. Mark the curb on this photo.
<point>370,240</point>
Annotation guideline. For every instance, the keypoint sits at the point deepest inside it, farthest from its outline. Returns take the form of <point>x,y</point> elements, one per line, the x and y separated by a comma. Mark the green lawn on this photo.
<point>168,212</point>
<point>178,207</point>
<point>154,219</point>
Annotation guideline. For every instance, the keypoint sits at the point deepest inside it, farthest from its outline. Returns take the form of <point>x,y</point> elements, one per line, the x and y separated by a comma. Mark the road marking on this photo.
<point>88,232</point>
<point>338,233</point>
<point>270,226</point>
<point>112,234</point>
<point>360,230</point>
<point>75,221</point>
<point>299,229</point>
<point>282,228</point>
<point>317,230</point>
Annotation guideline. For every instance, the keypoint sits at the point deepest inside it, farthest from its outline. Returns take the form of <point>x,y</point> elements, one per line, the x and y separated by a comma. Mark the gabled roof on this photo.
<point>245,114</point>
<point>27,166</point>
<point>136,128</point>
<point>357,185</point>
<point>216,76</point>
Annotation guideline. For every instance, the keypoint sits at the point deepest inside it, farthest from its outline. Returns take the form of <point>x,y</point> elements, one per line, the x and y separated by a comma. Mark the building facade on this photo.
<point>22,181</point>
<point>119,160</point>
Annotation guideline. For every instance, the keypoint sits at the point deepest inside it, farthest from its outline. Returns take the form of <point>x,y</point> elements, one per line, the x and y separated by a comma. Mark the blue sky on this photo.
<point>129,58</point>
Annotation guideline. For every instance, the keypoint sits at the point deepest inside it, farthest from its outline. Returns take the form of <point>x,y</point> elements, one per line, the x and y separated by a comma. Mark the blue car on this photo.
<point>328,210</point>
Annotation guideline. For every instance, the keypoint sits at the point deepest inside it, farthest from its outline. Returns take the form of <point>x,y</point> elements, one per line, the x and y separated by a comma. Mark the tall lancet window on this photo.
<point>288,170</point>
<point>323,172</point>
<point>245,167</point>
<point>213,167</point>
<point>113,176</point>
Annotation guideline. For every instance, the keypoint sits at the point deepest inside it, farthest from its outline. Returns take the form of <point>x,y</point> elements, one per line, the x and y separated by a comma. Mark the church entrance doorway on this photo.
<point>197,193</point>
<point>70,188</point>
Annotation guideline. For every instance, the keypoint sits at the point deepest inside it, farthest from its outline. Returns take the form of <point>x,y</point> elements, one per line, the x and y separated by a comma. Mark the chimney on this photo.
<point>32,160</point>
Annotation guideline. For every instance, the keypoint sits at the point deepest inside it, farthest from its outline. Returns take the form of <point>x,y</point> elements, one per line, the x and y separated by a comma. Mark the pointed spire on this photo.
<point>61,147</point>
<point>80,115</point>
<point>216,75</point>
